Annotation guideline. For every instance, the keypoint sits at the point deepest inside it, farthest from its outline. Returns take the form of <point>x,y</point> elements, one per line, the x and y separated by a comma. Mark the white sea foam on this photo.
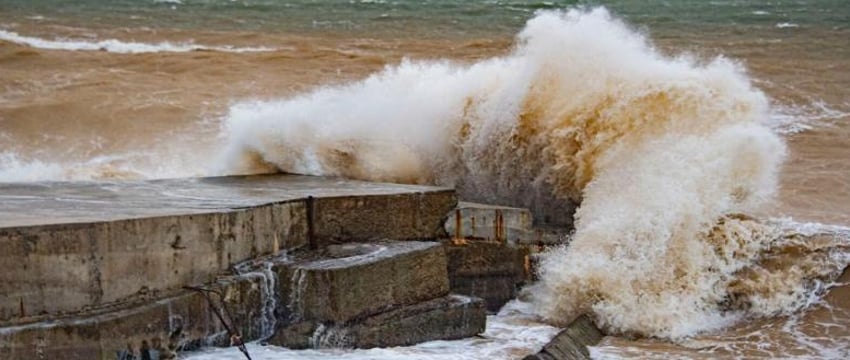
<point>511,334</point>
<point>793,119</point>
<point>659,150</point>
<point>13,168</point>
<point>811,251</point>
<point>119,46</point>
<point>785,25</point>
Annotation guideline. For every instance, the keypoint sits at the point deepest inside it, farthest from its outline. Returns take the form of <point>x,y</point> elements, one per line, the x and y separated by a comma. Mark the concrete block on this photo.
<point>491,271</point>
<point>354,280</point>
<point>503,224</point>
<point>60,269</point>
<point>572,342</point>
<point>496,291</point>
<point>182,321</point>
<point>486,259</point>
<point>76,246</point>
<point>445,318</point>
<point>405,216</point>
<point>489,222</point>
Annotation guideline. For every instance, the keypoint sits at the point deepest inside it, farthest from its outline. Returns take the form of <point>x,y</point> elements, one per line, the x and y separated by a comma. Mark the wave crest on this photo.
<point>118,46</point>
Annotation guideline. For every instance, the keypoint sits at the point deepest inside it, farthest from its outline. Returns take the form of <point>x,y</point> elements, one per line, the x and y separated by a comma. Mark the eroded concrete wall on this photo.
<point>181,321</point>
<point>404,216</point>
<point>53,269</point>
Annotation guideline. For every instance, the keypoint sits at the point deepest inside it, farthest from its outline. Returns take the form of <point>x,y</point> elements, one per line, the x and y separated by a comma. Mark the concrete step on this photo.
<point>386,293</point>
<point>177,322</point>
<point>444,318</point>
<point>348,281</point>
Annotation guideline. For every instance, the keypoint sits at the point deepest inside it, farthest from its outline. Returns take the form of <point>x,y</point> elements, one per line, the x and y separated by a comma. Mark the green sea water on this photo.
<point>429,18</point>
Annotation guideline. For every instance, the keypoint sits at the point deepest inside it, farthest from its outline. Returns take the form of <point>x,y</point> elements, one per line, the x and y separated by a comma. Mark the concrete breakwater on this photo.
<point>71,246</point>
<point>97,270</point>
<point>100,270</point>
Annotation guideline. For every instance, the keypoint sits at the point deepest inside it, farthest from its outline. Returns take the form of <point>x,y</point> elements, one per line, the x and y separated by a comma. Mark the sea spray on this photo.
<point>524,127</point>
<point>661,152</point>
<point>121,166</point>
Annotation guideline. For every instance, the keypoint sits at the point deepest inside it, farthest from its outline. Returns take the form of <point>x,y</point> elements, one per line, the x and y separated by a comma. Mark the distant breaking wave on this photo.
<point>663,154</point>
<point>118,46</point>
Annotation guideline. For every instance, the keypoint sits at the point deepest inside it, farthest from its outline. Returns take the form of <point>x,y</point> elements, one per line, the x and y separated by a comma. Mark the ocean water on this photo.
<point>707,142</point>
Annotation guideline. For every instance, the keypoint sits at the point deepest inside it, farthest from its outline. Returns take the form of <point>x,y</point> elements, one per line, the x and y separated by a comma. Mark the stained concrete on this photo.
<point>387,293</point>
<point>488,270</point>
<point>491,250</point>
<point>73,247</point>
<point>96,270</point>
<point>444,318</point>
<point>490,222</point>
<point>180,321</point>
<point>384,293</point>
<point>503,224</point>
<point>352,281</point>
<point>51,203</point>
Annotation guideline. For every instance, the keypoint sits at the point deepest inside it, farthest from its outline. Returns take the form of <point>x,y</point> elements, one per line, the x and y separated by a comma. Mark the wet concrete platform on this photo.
<point>48,203</point>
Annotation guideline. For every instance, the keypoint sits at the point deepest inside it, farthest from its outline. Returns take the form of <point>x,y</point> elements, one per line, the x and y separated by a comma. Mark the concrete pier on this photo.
<point>98,270</point>
<point>71,248</point>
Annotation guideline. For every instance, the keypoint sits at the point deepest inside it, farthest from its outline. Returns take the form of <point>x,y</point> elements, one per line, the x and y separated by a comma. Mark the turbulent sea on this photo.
<point>708,142</point>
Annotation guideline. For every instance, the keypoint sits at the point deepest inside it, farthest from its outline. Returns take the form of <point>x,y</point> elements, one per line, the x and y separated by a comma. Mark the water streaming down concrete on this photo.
<point>267,279</point>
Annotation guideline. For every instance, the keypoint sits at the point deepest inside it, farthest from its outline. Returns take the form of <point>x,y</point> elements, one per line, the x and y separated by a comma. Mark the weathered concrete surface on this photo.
<point>385,293</point>
<point>51,203</point>
<point>473,259</point>
<point>491,248</point>
<point>504,224</point>
<point>64,268</point>
<point>572,342</point>
<point>496,291</point>
<point>491,271</point>
<point>355,280</point>
<point>548,210</point>
<point>445,318</point>
<point>75,246</point>
<point>402,216</point>
<point>490,222</point>
<point>179,322</point>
